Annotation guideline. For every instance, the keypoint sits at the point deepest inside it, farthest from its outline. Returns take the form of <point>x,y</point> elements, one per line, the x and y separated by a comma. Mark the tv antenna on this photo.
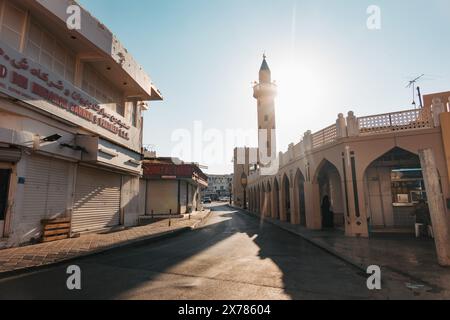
<point>412,84</point>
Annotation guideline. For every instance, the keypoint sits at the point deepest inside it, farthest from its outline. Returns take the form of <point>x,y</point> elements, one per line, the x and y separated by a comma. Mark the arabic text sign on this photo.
<point>28,81</point>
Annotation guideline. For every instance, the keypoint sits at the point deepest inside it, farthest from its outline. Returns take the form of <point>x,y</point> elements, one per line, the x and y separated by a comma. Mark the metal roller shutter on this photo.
<point>46,195</point>
<point>97,200</point>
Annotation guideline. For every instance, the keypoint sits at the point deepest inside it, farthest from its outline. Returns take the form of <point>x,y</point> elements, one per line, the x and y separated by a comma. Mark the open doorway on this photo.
<point>5,176</point>
<point>287,198</point>
<point>394,185</point>
<point>299,194</point>
<point>331,196</point>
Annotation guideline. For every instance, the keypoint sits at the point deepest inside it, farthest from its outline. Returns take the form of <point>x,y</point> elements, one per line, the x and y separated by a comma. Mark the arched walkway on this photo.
<point>299,198</point>
<point>269,200</point>
<point>331,196</point>
<point>286,198</point>
<point>393,185</point>
<point>276,199</point>
<point>263,200</point>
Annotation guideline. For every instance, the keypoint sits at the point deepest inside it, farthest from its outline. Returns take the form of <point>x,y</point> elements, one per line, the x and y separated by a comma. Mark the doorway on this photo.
<point>5,175</point>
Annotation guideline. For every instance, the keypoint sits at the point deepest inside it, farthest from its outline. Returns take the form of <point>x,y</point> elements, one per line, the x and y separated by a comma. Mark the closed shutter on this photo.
<point>45,193</point>
<point>97,200</point>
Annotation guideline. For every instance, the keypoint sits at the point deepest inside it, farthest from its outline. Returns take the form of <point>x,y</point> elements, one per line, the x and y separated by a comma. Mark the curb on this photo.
<point>126,244</point>
<point>202,220</point>
<point>325,248</point>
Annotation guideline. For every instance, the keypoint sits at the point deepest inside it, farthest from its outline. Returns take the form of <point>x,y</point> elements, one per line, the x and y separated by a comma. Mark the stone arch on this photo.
<point>325,161</point>
<point>393,184</point>
<point>329,197</point>
<point>269,199</point>
<point>263,199</point>
<point>299,198</point>
<point>286,198</point>
<point>276,199</point>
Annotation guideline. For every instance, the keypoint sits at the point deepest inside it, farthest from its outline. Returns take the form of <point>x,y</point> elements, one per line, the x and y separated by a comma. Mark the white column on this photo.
<point>437,107</point>
<point>438,211</point>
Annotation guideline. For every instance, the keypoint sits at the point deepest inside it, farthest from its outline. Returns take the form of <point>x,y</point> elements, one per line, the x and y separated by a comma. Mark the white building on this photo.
<point>218,186</point>
<point>71,105</point>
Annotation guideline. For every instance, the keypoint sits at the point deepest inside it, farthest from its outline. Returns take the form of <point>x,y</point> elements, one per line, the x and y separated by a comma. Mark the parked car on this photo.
<point>207,200</point>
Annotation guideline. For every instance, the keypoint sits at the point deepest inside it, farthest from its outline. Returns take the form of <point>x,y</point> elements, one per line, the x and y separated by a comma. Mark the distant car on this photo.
<point>207,200</point>
<point>224,199</point>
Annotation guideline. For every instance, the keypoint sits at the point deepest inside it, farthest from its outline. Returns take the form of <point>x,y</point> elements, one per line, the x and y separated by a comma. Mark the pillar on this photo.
<point>445,127</point>
<point>352,125</point>
<point>269,204</point>
<point>274,202</point>
<point>355,215</point>
<point>341,126</point>
<point>437,108</point>
<point>282,202</point>
<point>312,206</point>
<point>438,210</point>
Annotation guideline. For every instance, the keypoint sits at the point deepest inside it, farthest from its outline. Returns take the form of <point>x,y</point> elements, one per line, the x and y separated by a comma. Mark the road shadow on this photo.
<point>276,260</point>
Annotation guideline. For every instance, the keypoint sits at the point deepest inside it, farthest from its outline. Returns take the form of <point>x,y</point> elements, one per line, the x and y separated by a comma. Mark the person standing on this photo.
<point>327,214</point>
<point>423,219</point>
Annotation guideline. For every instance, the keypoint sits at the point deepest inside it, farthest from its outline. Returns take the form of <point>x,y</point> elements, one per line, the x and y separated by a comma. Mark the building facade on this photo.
<point>171,187</point>
<point>71,104</point>
<point>218,186</point>
<point>361,174</point>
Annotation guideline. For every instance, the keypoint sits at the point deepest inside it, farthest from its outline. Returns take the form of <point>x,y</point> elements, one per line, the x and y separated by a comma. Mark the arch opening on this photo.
<point>287,198</point>
<point>299,194</point>
<point>394,186</point>
<point>276,199</point>
<point>331,196</point>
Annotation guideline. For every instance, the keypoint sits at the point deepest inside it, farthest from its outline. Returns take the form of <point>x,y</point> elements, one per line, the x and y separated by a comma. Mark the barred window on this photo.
<point>12,24</point>
<point>47,51</point>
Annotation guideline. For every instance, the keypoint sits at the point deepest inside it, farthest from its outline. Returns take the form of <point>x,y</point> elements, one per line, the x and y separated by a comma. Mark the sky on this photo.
<point>204,56</point>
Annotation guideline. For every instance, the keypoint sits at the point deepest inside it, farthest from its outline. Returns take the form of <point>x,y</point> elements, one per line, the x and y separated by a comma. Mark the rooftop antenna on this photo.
<point>412,84</point>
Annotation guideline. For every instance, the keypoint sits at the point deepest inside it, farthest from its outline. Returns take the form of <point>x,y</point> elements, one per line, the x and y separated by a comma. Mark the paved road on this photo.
<point>232,257</point>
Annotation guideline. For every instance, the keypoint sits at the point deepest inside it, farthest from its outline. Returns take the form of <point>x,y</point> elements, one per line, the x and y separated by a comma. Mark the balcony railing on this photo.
<point>396,121</point>
<point>324,137</point>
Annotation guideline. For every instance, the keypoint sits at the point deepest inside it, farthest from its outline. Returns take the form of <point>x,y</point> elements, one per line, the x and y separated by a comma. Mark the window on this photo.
<point>407,186</point>
<point>102,90</point>
<point>46,50</point>
<point>12,24</point>
<point>134,114</point>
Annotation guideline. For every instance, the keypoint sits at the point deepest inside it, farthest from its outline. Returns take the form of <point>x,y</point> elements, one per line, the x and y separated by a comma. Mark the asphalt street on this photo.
<point>234,256</point>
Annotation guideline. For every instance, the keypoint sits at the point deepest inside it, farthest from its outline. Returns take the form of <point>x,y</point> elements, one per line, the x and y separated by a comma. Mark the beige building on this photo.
<point>371,169</point>
<point>219,186</point>
<point>71,104</point>
<point>170,187</point>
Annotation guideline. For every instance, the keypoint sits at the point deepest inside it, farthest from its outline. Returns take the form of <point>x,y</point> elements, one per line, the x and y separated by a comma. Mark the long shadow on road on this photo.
<point>232,257</point>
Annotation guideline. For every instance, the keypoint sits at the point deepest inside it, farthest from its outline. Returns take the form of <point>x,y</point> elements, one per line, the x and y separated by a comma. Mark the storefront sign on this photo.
<point>171,171</point>
<point>26,80</point>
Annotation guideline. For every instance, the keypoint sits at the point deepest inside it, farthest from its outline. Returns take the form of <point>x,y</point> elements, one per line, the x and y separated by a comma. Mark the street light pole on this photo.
<point>244,183</point>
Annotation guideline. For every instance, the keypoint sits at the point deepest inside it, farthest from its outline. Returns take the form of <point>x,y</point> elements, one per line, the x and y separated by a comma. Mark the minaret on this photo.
<point>265,92</point>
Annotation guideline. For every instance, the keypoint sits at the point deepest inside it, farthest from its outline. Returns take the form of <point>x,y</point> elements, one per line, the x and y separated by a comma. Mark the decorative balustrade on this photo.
<point>375,124</point>
<point>396,121</point>
<point>324,137</point>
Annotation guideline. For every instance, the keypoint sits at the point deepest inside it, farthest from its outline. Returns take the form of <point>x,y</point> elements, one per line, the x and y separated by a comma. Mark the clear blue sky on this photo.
<point>204,55</point>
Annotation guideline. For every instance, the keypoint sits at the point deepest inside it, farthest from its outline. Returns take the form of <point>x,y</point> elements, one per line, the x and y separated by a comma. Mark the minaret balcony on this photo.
<point>265,90</point>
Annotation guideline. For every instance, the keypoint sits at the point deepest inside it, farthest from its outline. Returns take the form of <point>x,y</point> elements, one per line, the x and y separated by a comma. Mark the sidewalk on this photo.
<point>34,256</point>
<point>403,255</point>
